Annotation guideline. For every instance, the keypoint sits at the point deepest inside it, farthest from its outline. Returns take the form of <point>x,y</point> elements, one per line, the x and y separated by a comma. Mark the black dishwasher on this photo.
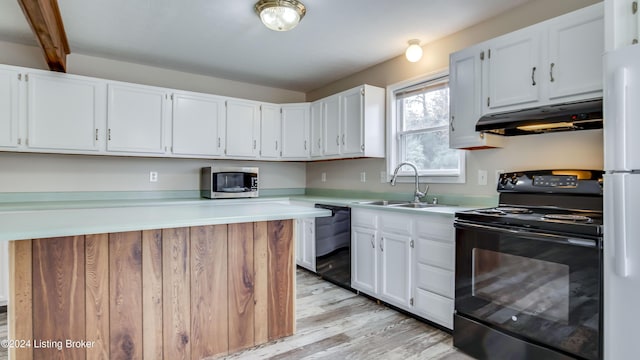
<point>333,245</point>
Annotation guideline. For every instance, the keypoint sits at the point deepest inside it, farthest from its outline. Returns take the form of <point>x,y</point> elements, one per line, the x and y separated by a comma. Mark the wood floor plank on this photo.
<point>97,295</point>
<point>241,286</point>
<point>58,296</point>
<point>125,293</point>
<point>176,289</point>
<point>152,294</point>
<point>281,279</point>
<point>209,300</point>
<point>261,287</point>
<point>20,296</point>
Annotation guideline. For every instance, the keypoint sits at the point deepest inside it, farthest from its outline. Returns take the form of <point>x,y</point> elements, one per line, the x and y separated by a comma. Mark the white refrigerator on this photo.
<point>621,242</point>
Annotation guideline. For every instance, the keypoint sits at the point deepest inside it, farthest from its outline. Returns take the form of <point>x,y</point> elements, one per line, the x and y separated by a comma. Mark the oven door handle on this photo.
<point>529,234</point>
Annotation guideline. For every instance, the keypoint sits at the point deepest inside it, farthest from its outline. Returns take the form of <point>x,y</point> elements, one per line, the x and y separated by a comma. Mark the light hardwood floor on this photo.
<point>333,323</point>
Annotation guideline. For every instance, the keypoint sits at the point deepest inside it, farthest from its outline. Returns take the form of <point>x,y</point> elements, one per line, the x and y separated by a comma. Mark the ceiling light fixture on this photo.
<point>414,51</point>
<point>280,15</point>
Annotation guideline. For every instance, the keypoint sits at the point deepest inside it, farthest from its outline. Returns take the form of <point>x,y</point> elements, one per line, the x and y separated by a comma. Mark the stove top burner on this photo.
<point>514,210</point>
<point>568,217</point>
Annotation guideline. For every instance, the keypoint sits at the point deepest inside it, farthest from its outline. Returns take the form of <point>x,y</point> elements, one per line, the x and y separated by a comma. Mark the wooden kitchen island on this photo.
<point>185,292</point>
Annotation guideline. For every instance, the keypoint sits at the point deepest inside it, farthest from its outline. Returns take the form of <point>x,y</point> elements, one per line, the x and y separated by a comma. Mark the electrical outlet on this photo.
<point>482,177</point>
<point>363,177</point>
<point>323,177</point>
<point>153,176</point>
<point>383,177</point>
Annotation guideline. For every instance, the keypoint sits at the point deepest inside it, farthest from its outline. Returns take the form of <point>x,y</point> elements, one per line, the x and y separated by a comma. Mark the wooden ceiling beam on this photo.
<point>46,23</point>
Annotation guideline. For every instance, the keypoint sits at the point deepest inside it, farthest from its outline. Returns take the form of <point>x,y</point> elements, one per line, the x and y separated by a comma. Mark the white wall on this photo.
<point>21,172</point>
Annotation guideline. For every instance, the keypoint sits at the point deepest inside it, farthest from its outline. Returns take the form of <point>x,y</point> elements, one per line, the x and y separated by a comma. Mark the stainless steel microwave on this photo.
<point>228,182</point>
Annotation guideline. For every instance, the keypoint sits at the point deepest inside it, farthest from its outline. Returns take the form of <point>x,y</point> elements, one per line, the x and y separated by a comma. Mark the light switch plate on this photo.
<point>323,177</point>
<point>482,177</point>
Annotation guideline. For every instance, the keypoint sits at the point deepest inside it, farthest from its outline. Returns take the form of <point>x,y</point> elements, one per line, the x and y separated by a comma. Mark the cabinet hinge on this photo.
<point>488,101</point>
<point>19,76</point>
<point>411,301</point>
<point>362,91</point>
<point>411,244</point>
<point>634,7</point>
<point>280,110</point>
<point>26,77</point>
<point>172,97</point>
<point>481,55</point>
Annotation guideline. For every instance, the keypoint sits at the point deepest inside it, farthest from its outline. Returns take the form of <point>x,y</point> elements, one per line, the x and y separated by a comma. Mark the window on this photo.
<point>419,130</point>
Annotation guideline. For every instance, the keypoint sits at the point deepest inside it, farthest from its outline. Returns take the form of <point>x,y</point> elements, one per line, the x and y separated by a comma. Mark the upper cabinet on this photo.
<point>243,127</point>
<point>136,119</point>
<point>316,135</point>
<point>556,61</point>
<point>352,124</point>
<point>553,62</point>
<point>296,143</point>
<point>198,125</point>
<point>271,133</point>
<point>9,87</point>
<point>64,112</point>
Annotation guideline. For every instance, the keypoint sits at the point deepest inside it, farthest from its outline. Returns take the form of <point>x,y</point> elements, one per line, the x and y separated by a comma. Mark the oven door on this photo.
<point>541,288</point>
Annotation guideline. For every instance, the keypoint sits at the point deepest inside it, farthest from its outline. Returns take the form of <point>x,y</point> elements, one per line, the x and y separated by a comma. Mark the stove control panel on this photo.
<point>555,181</point>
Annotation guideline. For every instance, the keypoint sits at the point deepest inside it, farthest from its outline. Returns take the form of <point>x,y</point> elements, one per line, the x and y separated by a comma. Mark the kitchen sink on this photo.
<point>417,205</point>
<point>384,202</point>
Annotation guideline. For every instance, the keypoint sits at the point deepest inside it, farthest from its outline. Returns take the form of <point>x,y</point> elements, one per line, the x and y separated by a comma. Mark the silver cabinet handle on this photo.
<point>318,143</point>
<point>96,134</point>
<point>338,140</point>
<point>109,135</point>
<point>305,144</point>
<point>381,248</point>
<point>533,76</point>
<point>551,72</point>
<point>254,144</point>
<point>276,144</point>
<point>362,147</point>
<point>453,118</point>
<point>342,139</point>
<point>373,243</point>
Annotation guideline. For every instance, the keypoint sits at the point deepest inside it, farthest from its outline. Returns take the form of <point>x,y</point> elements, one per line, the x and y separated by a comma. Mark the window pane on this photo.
<point>430,151</point>
<point>425,110</point>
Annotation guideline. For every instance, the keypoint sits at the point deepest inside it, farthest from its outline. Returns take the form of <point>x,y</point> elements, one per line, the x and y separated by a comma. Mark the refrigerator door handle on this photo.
<point>619,231</point>
<point>616,156</point>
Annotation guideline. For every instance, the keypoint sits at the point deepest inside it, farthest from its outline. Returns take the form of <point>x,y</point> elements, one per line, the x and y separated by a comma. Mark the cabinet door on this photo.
<point>316,129</point>
<point>395,268</point>
<point>513,70</point>
<point>331,125</point>
<point>352,118</point>
<point>243,128</point>
<point>136,119</point>
<point>465,74</point>
<point>295,131</point>
<point>271,132</point>
<point>576,45</point>
<point>308,253</point>
<point>62,112</point>
<point>364,260</point>
<point>4,272</point>
<point>9,86</point>
<point>198,125</point>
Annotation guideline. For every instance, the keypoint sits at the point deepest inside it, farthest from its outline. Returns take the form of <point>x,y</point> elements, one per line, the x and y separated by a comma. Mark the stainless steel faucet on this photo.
<point>418,194</point>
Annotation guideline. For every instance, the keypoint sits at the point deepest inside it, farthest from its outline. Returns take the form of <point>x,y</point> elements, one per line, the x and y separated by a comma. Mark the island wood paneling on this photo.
<point>281,279</point>
<point>58,297</point>
<point>152,335</point>
<point>241,303</point>
<point>20,307</point>
<point>209,295</point>
<point>97,295</point>
<point>186,293</point>
<point>176,308</point>
<point>261,282</point>
<point>125,287</point>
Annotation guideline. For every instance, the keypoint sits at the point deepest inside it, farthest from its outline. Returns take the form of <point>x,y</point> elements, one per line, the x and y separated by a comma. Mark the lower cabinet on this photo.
<point>405,260</point>
<point>305,235</point>
<point>4,273</point>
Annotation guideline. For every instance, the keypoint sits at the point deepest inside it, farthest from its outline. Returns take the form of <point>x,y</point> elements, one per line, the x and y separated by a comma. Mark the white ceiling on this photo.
<point>335,39</point>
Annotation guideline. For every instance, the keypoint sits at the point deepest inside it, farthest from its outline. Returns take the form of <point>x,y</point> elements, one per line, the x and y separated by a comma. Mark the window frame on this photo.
<point>394,145</point>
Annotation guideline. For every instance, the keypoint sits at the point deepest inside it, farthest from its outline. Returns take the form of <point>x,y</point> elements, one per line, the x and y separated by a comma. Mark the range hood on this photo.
<point>582,115</point>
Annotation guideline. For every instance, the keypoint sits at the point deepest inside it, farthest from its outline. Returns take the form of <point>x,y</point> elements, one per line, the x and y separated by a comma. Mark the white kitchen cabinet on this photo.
<point>9,107</point>
<point>271,131</point>
<point>621,24</point>
<point>65,113</point>
<point>331,125</point>
<point>243,128</point>
<point>137,119</point>
<point>198,125</point>
<point>4,273</point>
<point>552,62</point>
<point>295,131</point>
<point>364,260</point>
<point>395,267</point>
<point>576,44</point>
<point>316,135</point>
<point>512,68</point>
<point>465,92</point>
<point>307,244</point>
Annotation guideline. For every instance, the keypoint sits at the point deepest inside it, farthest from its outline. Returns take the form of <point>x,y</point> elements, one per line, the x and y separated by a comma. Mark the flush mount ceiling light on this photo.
<point>414,51</point>
<point>280,15</point>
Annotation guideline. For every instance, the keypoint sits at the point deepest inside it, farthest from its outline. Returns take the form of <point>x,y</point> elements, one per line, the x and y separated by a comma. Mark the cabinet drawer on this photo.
<point>395,223</point>
<point>434,307</point>
<point>434,279</point>
<point>436,228</point>
<point>435,253</point>
<point>363,218</point>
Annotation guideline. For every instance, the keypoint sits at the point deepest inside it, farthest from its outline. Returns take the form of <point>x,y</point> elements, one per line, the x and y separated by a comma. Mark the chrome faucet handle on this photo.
<point>434,201</point>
